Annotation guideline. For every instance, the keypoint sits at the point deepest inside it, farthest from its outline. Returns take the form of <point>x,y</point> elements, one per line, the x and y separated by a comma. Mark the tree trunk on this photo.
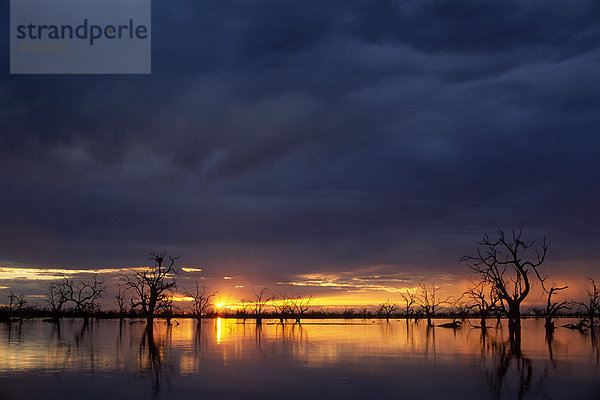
<point>514,330</point>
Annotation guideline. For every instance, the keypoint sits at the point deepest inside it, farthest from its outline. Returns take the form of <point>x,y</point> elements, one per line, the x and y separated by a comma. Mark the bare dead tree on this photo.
<point>16,303</point>
<point>506,264</point>
<point>153,286</point>
<point>201,300</point>
<point>283,306</point>
<point>553,308</point>
<point>300,305</point>
<point>592,303</point>
<point>428,300</point>
<point>120,296</point>
<point>261,299</point>
<point>483,297</point>
<point>244,309</point>
<point>409,299</point>
<point>84,295</point>
<point>387,309</point>
<point>57,297</point>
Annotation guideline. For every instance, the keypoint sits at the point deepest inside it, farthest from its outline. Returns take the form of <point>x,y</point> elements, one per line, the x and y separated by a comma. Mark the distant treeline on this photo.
<point>34,311</point>
<point>503,270</point>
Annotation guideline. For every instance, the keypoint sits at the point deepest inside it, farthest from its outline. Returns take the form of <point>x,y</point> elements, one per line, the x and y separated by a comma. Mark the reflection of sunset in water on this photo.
<point>38,345</point>
<point>350,346</point>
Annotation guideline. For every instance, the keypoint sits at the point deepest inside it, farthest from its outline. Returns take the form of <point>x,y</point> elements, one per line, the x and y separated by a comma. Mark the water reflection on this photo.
<point>333,358</point>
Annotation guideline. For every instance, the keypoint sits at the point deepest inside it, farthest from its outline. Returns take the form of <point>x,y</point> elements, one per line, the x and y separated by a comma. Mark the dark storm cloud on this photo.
<point>280,138</point>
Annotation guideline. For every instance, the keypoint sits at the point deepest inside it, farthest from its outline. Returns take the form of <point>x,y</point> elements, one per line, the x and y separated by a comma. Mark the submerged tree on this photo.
<point>300,305</point>
<point>244,308</point>
<point>409,298</point>
<point>16,302</point>
<point>84,295</point>
<point>592,303</point>
<point>553,308</point>
<point>483,297</point>
<point>260,304</point>
<point>120,296</point>
<point>387,309</point>
<point>201,300</point>
<point>283,306</point>
<point>57,297</point>
<point>152,287</point>
<point>506,264</point>
<point>428,300</point>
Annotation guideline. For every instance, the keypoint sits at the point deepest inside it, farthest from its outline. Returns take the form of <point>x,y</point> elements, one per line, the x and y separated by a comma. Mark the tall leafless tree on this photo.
<point>506,264</point>
<point>410,298</point>
<point>387,309</point>
<point>429,301</point>
<point>57,297</point>
<point>152,286</point>
<point>84,295</point>
<point>16,302</point>
<point>553,308</point>
<point>120,296</point>
<point>483,297</point>
<point>201,300</point>
<point>283,306</point>
<point>592,303</point>
<point>261,299</point>
<point>300,305</point>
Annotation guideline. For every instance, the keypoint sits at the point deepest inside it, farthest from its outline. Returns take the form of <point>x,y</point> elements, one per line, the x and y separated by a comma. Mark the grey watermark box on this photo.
<point>80,37</point>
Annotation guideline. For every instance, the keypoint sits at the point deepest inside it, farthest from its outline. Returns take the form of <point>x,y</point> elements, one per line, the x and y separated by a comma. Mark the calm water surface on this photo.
<point>331,359</point>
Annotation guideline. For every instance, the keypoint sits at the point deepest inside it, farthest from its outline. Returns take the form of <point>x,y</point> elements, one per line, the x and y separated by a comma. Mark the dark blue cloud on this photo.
<point>289,137</point>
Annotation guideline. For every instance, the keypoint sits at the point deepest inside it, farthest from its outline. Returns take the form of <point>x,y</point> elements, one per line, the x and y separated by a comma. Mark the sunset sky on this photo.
<point>342,149</point>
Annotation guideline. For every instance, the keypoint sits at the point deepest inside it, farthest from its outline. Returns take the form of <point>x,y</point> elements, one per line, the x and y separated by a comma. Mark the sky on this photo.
<point>343,149</point>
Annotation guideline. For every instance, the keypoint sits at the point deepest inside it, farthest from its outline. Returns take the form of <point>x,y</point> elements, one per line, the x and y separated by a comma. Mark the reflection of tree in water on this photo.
<point>152,353</point>
<point>198,342</point>
<point>10,327</point>
<point>258,337</point>
<point>289,333</point>
<point>430,341</point>
<point>596,347</point>
<point>509,366</point>
<point>593,336</point>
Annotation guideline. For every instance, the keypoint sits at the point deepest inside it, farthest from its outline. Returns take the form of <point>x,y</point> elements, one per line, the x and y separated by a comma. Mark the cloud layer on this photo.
<point>276,139</point>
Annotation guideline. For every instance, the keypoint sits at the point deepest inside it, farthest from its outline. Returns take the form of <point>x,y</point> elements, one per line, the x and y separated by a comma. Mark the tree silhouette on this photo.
<point>503,264</point>
<point>16,302</point>
<point>201,300</point>
<point>592,304</point>
<point>483,297</point>
<point>120,296</point>
<point>153,286</point>
<point>260,304</point>
<point>409,299</point>
<point>84,295</point>
<point>57,297</point>
<point>283,305</point>
<point>553,308</point>
<point>300,305</point>
<point>428,300</point>
<point>387,309</point>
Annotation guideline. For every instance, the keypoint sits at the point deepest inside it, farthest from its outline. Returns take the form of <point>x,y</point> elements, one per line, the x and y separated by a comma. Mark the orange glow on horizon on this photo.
<point>350,289</point>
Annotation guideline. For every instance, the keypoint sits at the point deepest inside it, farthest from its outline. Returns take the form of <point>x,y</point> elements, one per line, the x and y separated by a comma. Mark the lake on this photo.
<point>330,359</point>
